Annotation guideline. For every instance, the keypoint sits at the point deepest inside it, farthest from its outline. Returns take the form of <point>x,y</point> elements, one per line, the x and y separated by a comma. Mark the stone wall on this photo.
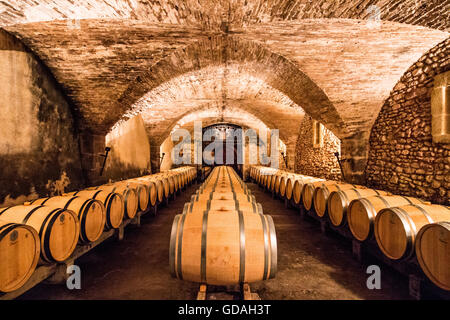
<point>403,158</point>
<point>317,161</point>
<point>130,151</point>
<point>39,149</point>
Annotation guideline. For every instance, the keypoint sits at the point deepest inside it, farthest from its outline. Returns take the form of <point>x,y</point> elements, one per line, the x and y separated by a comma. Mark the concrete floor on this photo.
<point>310,265</point>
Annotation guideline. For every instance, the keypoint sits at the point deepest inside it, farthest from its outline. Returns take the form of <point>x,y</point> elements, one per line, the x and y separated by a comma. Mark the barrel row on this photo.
<point>47,230</point>
<point>222,237</point>
<point>403,227</point>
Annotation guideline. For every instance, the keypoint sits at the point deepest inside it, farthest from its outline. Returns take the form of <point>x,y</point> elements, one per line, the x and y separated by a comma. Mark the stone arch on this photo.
<point>402,156</point>
<point>274,69</point>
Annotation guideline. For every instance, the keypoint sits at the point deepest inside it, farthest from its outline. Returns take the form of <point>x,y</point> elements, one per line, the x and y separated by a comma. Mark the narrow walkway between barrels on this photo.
<point>310,265</point>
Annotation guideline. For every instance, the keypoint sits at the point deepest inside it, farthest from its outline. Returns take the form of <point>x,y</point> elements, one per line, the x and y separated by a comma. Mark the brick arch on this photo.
<point>238,116</point>
<point>277,71</point>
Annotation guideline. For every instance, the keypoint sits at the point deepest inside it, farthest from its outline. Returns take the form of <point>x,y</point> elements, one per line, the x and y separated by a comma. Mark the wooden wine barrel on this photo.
<point>223,196</point>
<point>257,176</point>
<point>396,228</point>
<point>159,188</point>
<point>266,179</point>
<point>294,182</point>
<point>338,202</point>
<point>220,187</point>
<point>130,197</point>
<point>309,189</point>
<point>171,181</point>
<point>361,213</point>
<point>19,254</point>
<point>264,175</point>
<point>176,181</point>
<point>184,178</point>
<point>223,248</point>
<point>166,185</point>
<point>277,183</point>
<point>256,172</point>
<point>433,252</point>
<point>282,186</point>
<point>113,203</point>
<point>223,205</point>
<point>142,191</point>
<point>152,192</point>
<point>323,192</point>
<point>91,214</point>
<point>272,180</point>
<point>298,184</point>
<point>58,228</point>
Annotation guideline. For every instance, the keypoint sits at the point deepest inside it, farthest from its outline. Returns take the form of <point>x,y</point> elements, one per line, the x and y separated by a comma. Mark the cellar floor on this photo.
<point>310,265</point>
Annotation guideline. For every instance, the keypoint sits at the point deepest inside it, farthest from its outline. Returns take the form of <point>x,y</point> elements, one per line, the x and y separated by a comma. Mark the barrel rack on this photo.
<point>56,273</point>
<point>419,286</point>
<point>238,292</point>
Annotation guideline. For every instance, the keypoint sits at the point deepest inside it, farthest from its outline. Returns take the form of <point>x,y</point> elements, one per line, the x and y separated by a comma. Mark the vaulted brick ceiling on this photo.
<point>219,89</point>
<point>268,58</point>
<point>211,13</point>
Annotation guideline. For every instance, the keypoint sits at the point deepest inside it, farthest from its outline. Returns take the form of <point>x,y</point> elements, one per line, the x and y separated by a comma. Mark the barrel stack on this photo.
<point>46,231</point>
<point>222,237</point>
<point>405,229</point>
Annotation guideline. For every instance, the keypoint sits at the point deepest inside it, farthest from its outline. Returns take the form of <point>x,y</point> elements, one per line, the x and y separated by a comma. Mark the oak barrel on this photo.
<point>282,186</point>
<point>433,252</point>
<point>222,205</point>
<point>142,191</point>
<point>113,203</point>
<point>19,254</point>
<point>338,202</point>
<point>223,196</point>
<point>152,192</point>
<point>396,228</point>
<point>322,192</point>
<point>91,214</point>
<point>303,189</point>
<point>223,248</point>
<point>130,197</point>
<point>158,181</point>
<point>361,213</point>
<point>58,228</point>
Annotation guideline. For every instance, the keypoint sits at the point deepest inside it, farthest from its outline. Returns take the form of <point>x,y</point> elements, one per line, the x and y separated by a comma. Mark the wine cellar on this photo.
<point>224,150</point>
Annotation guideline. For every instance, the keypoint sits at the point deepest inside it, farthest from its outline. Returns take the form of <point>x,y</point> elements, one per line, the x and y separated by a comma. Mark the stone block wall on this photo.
<point>403,158</point>
<point>317,161</point>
